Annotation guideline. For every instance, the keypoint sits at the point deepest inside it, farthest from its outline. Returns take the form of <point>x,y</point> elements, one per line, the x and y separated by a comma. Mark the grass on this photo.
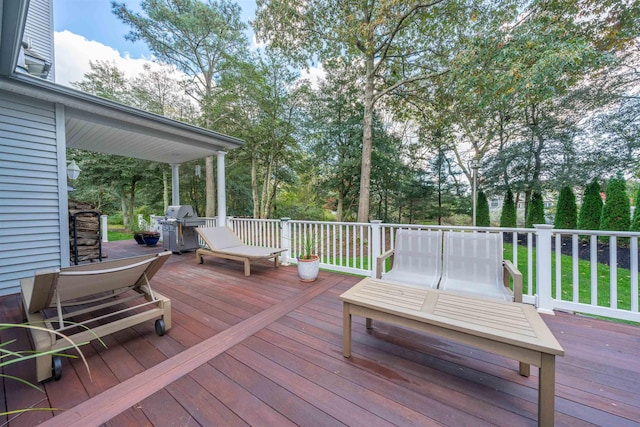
<point>603,277</point>
<point>603,272</point>
<point>118,232</point>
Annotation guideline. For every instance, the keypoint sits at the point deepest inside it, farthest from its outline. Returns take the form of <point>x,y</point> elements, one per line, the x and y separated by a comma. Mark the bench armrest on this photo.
<point>511,270</point>
<point>381,260</point>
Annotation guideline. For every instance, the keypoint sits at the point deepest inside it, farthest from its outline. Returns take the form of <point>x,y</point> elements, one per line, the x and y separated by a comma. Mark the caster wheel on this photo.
<point>160,329</point>
<point>56,368</point>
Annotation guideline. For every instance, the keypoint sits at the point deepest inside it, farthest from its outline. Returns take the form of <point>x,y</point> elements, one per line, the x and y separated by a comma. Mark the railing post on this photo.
<point>285,239</point>
<point>104,228</point>
<point>543,268</point>
<point>376,250</point>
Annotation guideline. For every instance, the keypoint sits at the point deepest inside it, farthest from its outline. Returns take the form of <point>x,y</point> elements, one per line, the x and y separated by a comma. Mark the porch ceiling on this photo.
<point>101,125</point>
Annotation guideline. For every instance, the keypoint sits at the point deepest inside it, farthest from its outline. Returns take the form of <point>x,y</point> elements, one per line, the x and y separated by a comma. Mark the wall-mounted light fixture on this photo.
<point>73,170</point>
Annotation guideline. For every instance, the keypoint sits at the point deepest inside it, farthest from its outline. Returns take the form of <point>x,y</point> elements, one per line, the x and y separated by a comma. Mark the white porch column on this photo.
<point>222,194</point>
<point>543,268</point>
<point>175,184</point>
<point>376,249</point>
<point>285,239</point>
<point>104,227</point>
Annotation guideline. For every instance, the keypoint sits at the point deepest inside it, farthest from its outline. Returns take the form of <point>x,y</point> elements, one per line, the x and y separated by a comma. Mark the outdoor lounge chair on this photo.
<point>473,265</point>
<point>223,243</point>
<point>416,259</point>
<point>92,294</point>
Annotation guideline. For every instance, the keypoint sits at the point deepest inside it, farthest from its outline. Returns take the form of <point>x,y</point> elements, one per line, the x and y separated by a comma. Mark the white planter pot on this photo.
<point>308,269</point>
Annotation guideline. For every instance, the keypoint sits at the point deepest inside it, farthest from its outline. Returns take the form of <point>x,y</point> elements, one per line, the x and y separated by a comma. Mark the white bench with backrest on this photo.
<point>464,262</point>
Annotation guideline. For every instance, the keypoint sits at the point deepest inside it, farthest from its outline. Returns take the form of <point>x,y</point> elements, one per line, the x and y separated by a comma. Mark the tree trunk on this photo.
<point>254,187</point>
<point>132,200</point>
<point>367,143</point>
<point>210,209</point>
<point>165,187</point>
<point>265,190</point>
<point>125,215</point>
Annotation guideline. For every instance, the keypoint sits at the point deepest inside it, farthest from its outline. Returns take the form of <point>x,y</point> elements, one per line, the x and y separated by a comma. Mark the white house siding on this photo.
<point>30,189</point>
<point>39,29</point>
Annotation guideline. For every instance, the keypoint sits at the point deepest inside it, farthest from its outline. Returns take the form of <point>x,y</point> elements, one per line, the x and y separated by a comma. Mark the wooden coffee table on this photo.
<point>509,329</point>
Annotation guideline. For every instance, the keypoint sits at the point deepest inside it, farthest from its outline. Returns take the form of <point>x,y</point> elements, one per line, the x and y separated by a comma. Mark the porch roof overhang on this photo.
<point>101,125</point>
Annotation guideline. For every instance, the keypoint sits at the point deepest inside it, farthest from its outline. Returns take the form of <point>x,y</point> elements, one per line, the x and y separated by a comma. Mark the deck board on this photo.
<point>288,369</point>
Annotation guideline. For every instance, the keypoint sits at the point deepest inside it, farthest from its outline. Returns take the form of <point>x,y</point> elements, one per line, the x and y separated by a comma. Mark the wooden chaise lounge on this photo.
<point>53,296</point>
<point>223,243</point>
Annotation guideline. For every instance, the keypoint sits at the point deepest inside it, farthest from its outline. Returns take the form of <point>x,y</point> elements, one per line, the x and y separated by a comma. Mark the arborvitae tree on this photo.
<point>591,209</point>
<point>482,211</point>
<point>566,210</point>
<point>508,217</point>
<point>635,222</point>
<point>535,214</point>
<point>616,211</point>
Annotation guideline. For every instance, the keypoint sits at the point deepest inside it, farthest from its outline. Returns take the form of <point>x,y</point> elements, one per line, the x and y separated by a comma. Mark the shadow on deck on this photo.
<point>267,350</point>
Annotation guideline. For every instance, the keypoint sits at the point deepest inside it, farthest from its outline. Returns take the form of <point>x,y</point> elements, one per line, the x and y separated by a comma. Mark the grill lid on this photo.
<point>179,212</point>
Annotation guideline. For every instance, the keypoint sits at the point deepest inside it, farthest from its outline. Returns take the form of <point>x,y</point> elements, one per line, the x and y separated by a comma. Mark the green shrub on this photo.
<point>635,221</point>
<point>508,217</point>
<point>591,209</point>
<point>566,210</point>
<point>616,211</point>
<point>115,219</point>
<point>482,211</point>
<point>535,213</point>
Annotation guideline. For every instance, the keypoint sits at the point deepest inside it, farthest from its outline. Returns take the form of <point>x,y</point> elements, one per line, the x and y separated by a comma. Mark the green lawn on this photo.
<point>584,279</point>
<point>118,232</point>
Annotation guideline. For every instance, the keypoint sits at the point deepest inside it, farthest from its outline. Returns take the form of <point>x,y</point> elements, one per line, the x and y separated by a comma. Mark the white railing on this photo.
<point>557,274</point>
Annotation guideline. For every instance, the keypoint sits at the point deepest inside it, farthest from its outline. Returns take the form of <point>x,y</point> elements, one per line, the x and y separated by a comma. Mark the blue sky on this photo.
<point>88,30</point>
<point>94,20</point>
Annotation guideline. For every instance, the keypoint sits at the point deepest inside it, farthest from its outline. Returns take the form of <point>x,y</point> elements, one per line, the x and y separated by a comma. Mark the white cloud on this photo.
<point>73,53</point>
<point>314,74</point>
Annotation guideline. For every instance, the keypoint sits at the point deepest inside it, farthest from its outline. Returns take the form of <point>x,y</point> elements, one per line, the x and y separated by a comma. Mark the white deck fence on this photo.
<point>570,270</point>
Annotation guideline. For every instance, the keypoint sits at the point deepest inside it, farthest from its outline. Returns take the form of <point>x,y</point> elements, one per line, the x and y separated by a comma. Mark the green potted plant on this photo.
<point>308,261</point>
<point>137,232</point>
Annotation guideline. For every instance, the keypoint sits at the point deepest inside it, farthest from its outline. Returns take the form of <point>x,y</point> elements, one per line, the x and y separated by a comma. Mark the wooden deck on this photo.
<point>267,350</point>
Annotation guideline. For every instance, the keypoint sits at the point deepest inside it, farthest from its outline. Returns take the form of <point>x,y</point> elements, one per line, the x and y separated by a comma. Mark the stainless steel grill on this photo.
<point>178,229</point>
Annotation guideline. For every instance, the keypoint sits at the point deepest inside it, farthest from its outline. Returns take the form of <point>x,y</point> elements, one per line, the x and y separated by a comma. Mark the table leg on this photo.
<point>346,329</point>
<point>369,323</point>
<point>546,390</point>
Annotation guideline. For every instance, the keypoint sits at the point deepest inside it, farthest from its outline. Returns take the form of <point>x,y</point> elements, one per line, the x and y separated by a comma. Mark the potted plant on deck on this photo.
<point>308,262</point>
<point>137,233</point>
<point>150,237</point>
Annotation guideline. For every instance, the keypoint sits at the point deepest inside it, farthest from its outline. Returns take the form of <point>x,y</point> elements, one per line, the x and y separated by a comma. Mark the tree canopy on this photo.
<point>541,93</point>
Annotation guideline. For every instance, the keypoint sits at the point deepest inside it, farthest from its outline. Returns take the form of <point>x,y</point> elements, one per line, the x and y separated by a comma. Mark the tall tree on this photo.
<point>508,216</point>
<point>616,212</point>
<point>535,213</point>
<point>391,43</point>
<point>334,131</point>
<point>269,105</point>
<point>483,218</point>
<point>106,80</point>
<point>566,210</point>
<point>202,39</point>
<point>591,208</point>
